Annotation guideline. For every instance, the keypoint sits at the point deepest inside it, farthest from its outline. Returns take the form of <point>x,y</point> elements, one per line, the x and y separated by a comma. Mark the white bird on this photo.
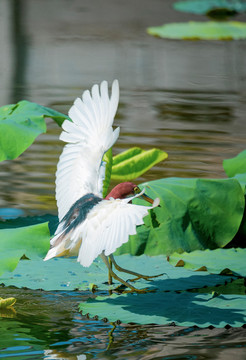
<point>89,225</point>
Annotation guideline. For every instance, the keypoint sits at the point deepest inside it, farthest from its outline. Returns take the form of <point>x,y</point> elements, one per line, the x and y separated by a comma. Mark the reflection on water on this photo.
<point>197,130</point>
<point>187,98</point>
<point>48,326</point>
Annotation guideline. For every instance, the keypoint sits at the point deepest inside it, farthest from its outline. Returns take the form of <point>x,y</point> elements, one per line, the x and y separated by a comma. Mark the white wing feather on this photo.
<point>89,135</point>
<point>106,227</point>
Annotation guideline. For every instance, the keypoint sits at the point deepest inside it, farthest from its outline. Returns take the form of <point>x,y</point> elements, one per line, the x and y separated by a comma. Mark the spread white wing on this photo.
<point>106,232</point>
<point>89,135</point>
<point>106,227</point>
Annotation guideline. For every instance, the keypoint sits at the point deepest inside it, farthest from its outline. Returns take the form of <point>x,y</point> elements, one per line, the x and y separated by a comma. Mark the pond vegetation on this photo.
<point>221,29</point>
<point>59,309</point>
<point>191,217</point>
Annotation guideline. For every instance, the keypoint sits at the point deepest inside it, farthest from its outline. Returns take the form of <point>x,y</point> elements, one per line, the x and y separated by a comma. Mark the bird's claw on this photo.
<point>124,290</point>
<point>139,291</point>
<point>145,277</point>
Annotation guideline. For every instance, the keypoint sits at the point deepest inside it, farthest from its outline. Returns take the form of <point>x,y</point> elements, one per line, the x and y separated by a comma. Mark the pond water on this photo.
<point>187,98</point>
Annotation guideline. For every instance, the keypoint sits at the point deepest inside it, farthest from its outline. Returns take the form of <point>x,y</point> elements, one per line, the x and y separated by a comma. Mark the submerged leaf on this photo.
<point>20,124</point>
<point>192,30</point>
<point>134,162</point>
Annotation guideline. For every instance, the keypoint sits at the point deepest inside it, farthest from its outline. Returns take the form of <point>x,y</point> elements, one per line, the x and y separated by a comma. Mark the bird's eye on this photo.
<point>137,190</point>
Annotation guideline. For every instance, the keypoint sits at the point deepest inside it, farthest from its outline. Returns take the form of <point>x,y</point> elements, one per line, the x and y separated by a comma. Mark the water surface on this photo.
<point>186,98</point>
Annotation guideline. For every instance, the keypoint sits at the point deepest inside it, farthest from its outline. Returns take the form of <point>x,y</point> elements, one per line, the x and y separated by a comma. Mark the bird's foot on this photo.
<point>122,289</point>
<point>145,277</point>
<point>139,291</point>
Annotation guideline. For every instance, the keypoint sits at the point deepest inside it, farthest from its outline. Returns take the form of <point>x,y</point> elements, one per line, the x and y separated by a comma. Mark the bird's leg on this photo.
<point>109,275</point>
<point>106,261</point>
<point>138,276</point>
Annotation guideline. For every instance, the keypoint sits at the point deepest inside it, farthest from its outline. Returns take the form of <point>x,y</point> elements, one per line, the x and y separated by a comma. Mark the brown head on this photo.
<point>125,189</point>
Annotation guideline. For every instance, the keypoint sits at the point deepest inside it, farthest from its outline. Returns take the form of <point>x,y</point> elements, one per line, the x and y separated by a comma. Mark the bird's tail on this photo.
<point>57,245</point>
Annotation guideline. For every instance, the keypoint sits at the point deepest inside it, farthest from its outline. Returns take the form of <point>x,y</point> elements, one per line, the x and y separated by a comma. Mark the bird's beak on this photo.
<point>147,198</point>
<point>141,194</point>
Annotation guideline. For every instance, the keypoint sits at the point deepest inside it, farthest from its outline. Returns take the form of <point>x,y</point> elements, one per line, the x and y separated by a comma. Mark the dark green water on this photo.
<point>48,326</point>
<point>187,98</point>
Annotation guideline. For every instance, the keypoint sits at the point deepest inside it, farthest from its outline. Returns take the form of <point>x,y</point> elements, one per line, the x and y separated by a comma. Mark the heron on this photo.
<point>90,225</point>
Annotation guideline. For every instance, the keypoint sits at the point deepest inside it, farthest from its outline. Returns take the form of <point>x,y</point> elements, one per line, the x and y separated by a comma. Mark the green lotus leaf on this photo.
<point>194,214</point>
<point>46,275</point>
<point>134,162</point>
<point>108,158</point>
<point>241,235</point>
<point>9,259</point>
<point>185,309</point>
<point>235,165</point>
<point>214,261</point>
<point>241,178</point>
<point>192,30</point>
<point>31,241</point>
<point>127,154</point>
<point>205,7</point>
<point>20,124</point>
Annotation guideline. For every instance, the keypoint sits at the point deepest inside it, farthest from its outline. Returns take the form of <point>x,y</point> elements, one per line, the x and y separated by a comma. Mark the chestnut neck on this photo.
<point>121,191</point>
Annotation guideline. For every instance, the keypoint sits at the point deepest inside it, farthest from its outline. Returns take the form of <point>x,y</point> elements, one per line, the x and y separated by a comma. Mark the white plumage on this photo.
<point>89,135</point>
<point>88,225</point>
<point>106,227</point>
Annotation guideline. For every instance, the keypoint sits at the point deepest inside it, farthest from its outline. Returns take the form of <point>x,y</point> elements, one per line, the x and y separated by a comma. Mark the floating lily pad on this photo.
<point>46,275</point>
<point>204,306</point>
<point>185,309</point>
<point>213,261</point>
<point>205,7</point>
<point>167,304</point>
<point>192,30</point>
